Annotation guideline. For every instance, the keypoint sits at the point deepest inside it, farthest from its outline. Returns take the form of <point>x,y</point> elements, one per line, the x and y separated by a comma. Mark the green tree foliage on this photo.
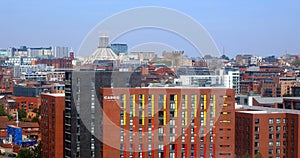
<point>296,63</point>
<point>246,156</point>
<point>286,95</point>
<point>37,151</point>
<point>3,113</point>
<point>37,111</point>
<point>258,155</point>
<point>35,119</point>
<point>10,118</point>
<point>2,110</point>
<point>224,57</point>
<point>25,119</point>
<point>22,114</point>
<point>25,153</point>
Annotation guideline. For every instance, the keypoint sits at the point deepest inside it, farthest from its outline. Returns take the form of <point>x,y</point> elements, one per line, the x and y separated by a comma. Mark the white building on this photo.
<point>19,60</point>
<point>232,80</point>
<point>20,70</point>
<point>201,80</point>
<point>226,78</point>
<point>13,61</point>
<point>255,60</point>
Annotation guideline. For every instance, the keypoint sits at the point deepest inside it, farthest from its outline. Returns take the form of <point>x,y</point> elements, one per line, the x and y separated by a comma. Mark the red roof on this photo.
<point>21,124</point>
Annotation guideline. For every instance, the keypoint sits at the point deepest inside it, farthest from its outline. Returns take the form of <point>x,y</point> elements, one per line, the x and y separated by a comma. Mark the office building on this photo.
<point>145,122</point>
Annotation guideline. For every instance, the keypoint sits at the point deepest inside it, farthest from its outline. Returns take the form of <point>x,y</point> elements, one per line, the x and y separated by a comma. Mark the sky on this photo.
<point>269,27</point>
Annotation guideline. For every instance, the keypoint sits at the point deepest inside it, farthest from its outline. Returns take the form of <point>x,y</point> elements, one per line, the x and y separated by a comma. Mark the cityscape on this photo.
<point>112,97</point>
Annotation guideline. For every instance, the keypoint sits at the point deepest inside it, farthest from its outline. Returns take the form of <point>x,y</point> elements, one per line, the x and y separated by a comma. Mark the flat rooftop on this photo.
<point>268,100</point>
<point>55,94</point>
<point>260,112</point>
<point>171,87</point>
<point>269,110</point>
<point>292,98</point>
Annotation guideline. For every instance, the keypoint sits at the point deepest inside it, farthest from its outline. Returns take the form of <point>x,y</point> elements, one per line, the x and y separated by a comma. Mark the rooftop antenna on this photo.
<point>17,120</point>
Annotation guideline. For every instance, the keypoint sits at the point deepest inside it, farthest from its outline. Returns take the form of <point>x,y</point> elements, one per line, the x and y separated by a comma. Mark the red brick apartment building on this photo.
<point>274,134</point>
<point>27,103</point>
<point>52,124</point>
<point>57,63</point>
<point>168,122</point>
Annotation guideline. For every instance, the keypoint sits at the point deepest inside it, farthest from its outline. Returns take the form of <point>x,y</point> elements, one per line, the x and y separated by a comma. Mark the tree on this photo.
<point>35,110</point>
<point>2,110</point>
<point>258,155</point>
<point>35,119</point>
<point>286,95</point>
<point>22,114</point>
<point>296,63</point>
<point>10,118</point>
<point>25,119</point>
<point>24,152</point>
<point>224,57</point>
<point>37,150</point>
<point>246,155</point>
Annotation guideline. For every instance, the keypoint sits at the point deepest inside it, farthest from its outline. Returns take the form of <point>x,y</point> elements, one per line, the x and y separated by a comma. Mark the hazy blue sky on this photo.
<point>262,27</point>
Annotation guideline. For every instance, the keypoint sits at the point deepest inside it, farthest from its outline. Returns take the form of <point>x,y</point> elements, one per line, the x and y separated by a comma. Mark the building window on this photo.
<point>271,121</point>
<point>271,128</point>
<point>284,120</point>
<point>172,122</point>
<point>122,118</point>
<point>270,151</point>
<point>278,136</point>
<point>256,128</point>
<point>140,134</point>
<point>278,120</point>
<point>225,121</point>
<point>256,144</point>
<point>256,121</point>
<point>183,101</point>
<point>277,128</point>
<point>277,151</point>
<point>161,101</point>
<point>256,136</point>
<point>225,113</point>
<point>183,134</point>
<point>172,130</point>
<point>160,147</point>
<point>172,138</point>
<point>271,144</point>
<point>183,150</point>
<point>160,131</point>
<point>149,150</point>
<point>183,118</point>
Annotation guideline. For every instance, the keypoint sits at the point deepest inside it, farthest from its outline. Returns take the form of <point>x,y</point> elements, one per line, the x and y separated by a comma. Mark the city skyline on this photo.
<point>268,28</point>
